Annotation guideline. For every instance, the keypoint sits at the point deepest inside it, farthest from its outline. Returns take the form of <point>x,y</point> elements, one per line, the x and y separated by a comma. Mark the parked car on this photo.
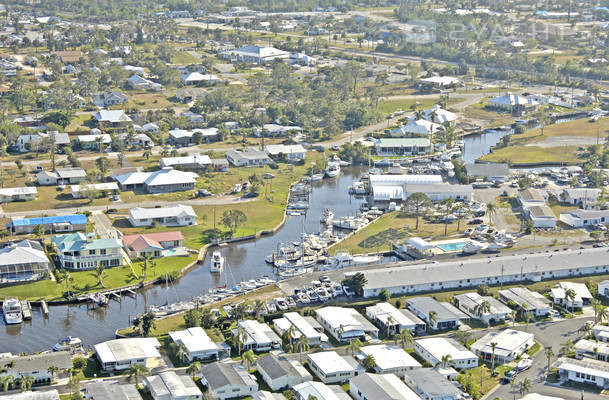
<point>475,221</point>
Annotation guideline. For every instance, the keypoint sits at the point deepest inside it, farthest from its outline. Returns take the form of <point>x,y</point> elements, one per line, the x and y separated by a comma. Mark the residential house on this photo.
<point>248,158</point>
<point>489,172</point>
<point>345,324</point>
<point>438,115</point>
<point>542,216</point>
<point>112,118</point>
<point>36,366</point>
<point>61,176</point>
<point>319,391</point>
<point>300,326</point>
<point>197,78</point>
<point>258,336</point>
<point>389,359</point>
<point>531,302</point>
<point>93,142</point>
<point>219,164</point>
<point>485,308</point>
<point>78,251</point>
<point>37,395</point>
<point>42,141</point>
<point>515,104</point>
<point>139,140</point>
<point>582,295</point>
<point>531,197</point>
<point>293,152</point>
<point>162,181</point>
<point>190,94</point>
<point>69,56</point>
<point>25,193</point>
<point>108,99</point>
<point>152,245</point>
<point>380,387</point>
<point>582,197</point>
<point>137,82</point>
<point>402,146</point>
<point>439,82</point>
<point>425,307</point>
<point>603,288</point>
<point>264,395</point>
<point>192,162</point>
<point>58,223</point>
<point>104,189</point>
<point>104,390</point>
<point>180,136</point>
<point>254,54</point>
<point>176,215</point>
<point>169,385</point>
<point>429,384</point>
<point>121,354</point>
<point>227,381</point>
<point>197,344</point>
<point>414,127</point>
<point>433,349</point>
<point>193,118</point>
<point>591,349</point>
<point>22,261</point>
<point>391,320</point>
<point>280,372</point>
<point>585,218</point>
<point>591,372</point>
<point>150,128</point>
<point>275,130</point>
<point>330,367</point>
<point>509,345</point>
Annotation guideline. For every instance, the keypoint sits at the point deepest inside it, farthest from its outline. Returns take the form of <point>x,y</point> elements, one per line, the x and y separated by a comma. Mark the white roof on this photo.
<point>537,396</point>
<point>132,178</point>
<point>180,133</point>
<point>587,366</point>
<point>105,138</point>
<point>119,350</point>
<point>189,159</point>
<point>176,210</point>
<point>383,387</point>
<point>112,116</point>
<point>418,127</point>
<point>382,312</point>
<point>199,77</point>
<point>387,193</point>
<point>22,253</point>
<point>262,52</point>
<point>580,289</point>
<point>94,186</point>
<point>441,115</point>
<point>275,149</point>
<point>194,339</point>
<point>441,80</point>
<point>390,357</point>
<point>170,176</point>
<point>395,180</point>
<point>347,318</point>
<point>590,346</point>
<point>13,191</point>
<point>419,244</point>
<point>37,395</point>
<point>330,362</point>
<point>508,341</point>
<point>317,390</point>
<point>512,100</point>
<point>439,347</point>
<point>257,332</point>
<point>302,326</point>
<point>170,385</point>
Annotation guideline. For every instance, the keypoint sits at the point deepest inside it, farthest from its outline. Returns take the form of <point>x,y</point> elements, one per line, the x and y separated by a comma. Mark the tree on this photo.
<point>369,363</point>
<point>181,351</point>
<point>100,275</point>
<point>525,386</point>
<point>136,373</point>
<point>405,338</point>
<point>463,337</point>
<point>566,348</point>
<point>39,231</point>
<point>193,368</point>
<point>52,370</point>
<point>418,202</point>
<point>63,275</point>
<point>7,381</point>
<point>570,296</point>
<point>447,208</point>
<point>248,359</point>
<point>384,295</point>
<point>232,219</point>
<point>602,314</point>
<point>356,283</point>
<point>549,352</point>
<point>303,345</point>
<point>445,360</point>
<point>493,348</point>
<point>491,210</point>
<point>26,382</point>
<point>147,323</point>
<point>354,346</point>
<point>432,318</point>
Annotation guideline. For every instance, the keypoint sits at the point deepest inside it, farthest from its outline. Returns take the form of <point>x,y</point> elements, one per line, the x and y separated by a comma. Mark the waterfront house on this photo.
<point>391,320</point>
<point>344,323</point>
<point>104,390</point>
<point>389,359</point>
<point>531,302</point>
<point>588,371</point>
<point>416,127</point>
<point>176,215</point>
<point>57,223</point>
<point>424,307</point>
<point>258,336</point>
<point>23,261</point>
<point>392,147</point>
<point>197,344</point>
<point>191,162</point>
<point>164,180</point>
<point>473,304</point>
<point>25,193</point>
<point>585,218</point>
<point>434,348</point>
<point>227,381</point>
<point>509,345</point>
<point>36,366</point>
<point>439,115</point>
<point>306,326</point>
<point>280,372</point>
<point>153,244</point>
<point>121,354</point>
<point>515,104</point>
<point>293,152</point>
<point>380,387</point>
<point>80,251</point>
<point>169,385</point>
<point>247,158</point>
<point>61,176</point>
<point>330,367</point>
<point>429,384</point>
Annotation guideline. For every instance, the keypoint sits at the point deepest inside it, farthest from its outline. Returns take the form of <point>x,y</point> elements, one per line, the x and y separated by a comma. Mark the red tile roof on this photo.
<point>142,241</point>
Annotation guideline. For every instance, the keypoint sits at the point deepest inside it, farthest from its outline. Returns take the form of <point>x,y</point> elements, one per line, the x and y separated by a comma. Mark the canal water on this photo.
<point>244,260</point>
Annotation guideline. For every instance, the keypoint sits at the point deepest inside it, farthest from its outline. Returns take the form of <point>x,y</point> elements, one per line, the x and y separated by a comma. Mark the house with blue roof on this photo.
<point>57,223</point>
<point>80,251</point>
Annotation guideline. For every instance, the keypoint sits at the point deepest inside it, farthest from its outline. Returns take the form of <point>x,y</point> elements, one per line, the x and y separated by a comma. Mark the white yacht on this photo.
<point>317,177</point>
<point>496,246</point>
<point>69,343</point>
<point>217,262</point>
<point>327,217</point>
<point>351,223</point>
<point>344,259</point>
<point>472,247</point>
<point>11,308</point>
<point>333,169</point>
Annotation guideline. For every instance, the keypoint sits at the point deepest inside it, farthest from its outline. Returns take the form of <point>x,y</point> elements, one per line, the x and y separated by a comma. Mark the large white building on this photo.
<point>330,367</point>
<point>592,372</point>
<point>389,359</point>
<point>509,345</point>
<point>175,215</point>
<point>164,180</point>
<point>197,344</point>
<point>433,349</point>
<point>120,354</point>
<point>583,218</point>
<point>345,324</point>
<point>255,54</point>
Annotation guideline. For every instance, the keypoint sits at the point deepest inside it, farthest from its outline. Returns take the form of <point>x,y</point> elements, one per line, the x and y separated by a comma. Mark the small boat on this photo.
<point>299,205</point>
<point>217,262</point>
<point>303,298</point>
<point>357,188</point>
<point>11,308</point>
<point>281,303</point>
<point>312,295</point>
<point>472,248</point>
<point>327,217</point>
<point>290,301</point>
<point>317,177</point>
<point>237,189</point>
<point>291,273</point>
<point>98,299</point>
<point>323,294</point>
<point>349,223</point>
<point>344,259</point>
<point>68,343</point>
<point>271,307</point>
<point>496,246</point>
<point>333,170</point>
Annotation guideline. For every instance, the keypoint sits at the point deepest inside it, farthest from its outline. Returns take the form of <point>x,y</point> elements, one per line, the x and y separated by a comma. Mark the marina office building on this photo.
<point>408,278</point>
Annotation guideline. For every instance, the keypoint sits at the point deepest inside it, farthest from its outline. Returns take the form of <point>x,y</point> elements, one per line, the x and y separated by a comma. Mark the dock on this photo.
<point>26,309</point>
<point>44,307</point>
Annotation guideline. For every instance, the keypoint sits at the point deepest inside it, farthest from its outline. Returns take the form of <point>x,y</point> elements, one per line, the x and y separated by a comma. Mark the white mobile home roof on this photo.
<point>18,190</point>
<point>389,357</point>
<point>438,347</point>
<point>331,362</point>
<point>127,349</point>
<point>161,212</point>
<point>384,311</point>
<point>507,342</point>
<point>194,339</point>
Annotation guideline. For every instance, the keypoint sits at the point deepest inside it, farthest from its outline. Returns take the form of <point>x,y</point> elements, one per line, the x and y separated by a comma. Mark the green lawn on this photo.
<point>86,281</point>
<point>183,57</point>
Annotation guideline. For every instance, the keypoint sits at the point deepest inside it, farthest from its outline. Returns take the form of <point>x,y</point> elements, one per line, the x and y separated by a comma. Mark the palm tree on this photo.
<point>389,325</point>
<point>405,338</point>
<point>181,351</point>
<point>483,369</point>
<point>258,307</point>
<point>52,370</point>
<point>100,274</point>
<point>369,362</point>
<point>491,210</point>
<point>239,338</point>
<point>7,381</point>
<point>602,314</point>
<point>26,382</point>
<point>566,348</point>
<point>432,318</point>
<point>354,346</point>
<point>549,352</point>
<point>445,360</point>
<point>525,386</point>
<point>136,372</point>
<point>484,308</point>
<point>248,359</point>
<point>302,345</point>
<point>193,368</point>
<point>570,295</point>
<point>493,348</point>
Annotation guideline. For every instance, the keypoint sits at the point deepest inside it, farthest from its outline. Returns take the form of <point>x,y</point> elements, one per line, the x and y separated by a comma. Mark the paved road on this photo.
<point>103,225</point>
<point>221,200</point>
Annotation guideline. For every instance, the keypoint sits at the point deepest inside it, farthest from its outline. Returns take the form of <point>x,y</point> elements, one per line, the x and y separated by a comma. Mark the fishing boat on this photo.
<point>357,188</point>
<point>349,223</point>
<point>327,217</point>
<point>237,188</point>
<point>317,177</point>
<point>333,170</point>
<point>472,247</point>
<point>217,262</point>
<point>344,259</point>
<point>11,308</point>
<point>68,343</point>
<point>496,246</point>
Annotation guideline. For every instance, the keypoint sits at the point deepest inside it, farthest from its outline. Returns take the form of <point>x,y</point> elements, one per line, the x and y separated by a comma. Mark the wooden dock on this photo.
<point>44,307</point>
<point>26,309</point>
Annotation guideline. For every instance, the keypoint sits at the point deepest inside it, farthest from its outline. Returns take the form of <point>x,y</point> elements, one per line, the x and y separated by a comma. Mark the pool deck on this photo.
<point>438,250</point>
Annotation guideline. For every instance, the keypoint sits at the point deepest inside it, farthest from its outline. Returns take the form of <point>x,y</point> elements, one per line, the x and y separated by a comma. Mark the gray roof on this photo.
<point>432,384</point>
<point>170,385</point>
<point>264,395</point>
<point>112,391</point>
<point>48,395</point>
<point>382,387</point>
<point>521,296</point>
<point>218,375</point>
<point>541,211</point>
<point>38,362</point>
<point>425,305</point>
<point>586,214</point>
<point>485,170</point>
<point>531,195</point>
<point>276,367</point>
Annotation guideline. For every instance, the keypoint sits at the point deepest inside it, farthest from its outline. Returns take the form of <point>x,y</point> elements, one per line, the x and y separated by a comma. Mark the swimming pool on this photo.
<point>452,246</point>
<point>169,252</point>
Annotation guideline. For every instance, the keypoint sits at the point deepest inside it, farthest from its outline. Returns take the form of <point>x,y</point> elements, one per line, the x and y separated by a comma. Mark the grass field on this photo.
<point>86,281</point>
<point>491,118</point>
<point>148,100</point>
<point>389,106</point>
<point>392,228</point>
<point>183,57</point>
